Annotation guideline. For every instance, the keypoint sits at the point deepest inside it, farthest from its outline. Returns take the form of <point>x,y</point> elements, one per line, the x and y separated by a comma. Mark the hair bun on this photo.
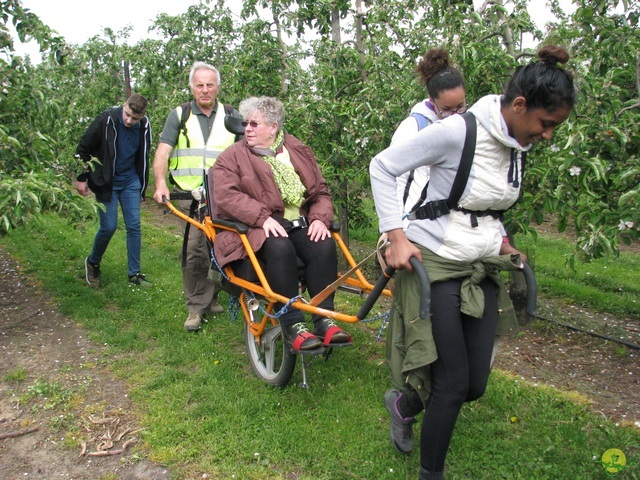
<point>553,54</point>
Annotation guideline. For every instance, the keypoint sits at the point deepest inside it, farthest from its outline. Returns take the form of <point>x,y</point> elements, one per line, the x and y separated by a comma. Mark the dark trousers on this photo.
<point>279,256</point>
<point>461,372</point>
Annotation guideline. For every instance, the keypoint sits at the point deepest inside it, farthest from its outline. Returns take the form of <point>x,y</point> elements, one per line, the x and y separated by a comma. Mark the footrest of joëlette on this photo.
<point>313,351</point>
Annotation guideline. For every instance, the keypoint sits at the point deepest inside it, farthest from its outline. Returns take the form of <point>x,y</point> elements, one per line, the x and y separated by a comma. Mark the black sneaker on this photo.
<point>140,280</point>
<point>301,338</point>
<point>91,273</point>
<point>330,333</point>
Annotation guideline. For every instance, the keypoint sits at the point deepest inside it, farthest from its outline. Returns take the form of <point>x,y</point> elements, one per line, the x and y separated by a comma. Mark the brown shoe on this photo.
<point>216,308</point>
<point>193,322</point>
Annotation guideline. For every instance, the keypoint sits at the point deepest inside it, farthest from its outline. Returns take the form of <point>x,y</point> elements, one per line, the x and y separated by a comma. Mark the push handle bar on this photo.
<point>425,289</point>
<point>532,290</point>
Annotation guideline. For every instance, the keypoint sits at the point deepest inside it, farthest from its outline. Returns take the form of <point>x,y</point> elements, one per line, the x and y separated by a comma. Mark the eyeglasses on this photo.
<point>449,111</point>
<point>253,124</point>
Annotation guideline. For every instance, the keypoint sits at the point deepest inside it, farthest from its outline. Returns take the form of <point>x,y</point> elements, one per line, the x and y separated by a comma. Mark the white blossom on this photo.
<point>624,225</point>
<point>575,171</point>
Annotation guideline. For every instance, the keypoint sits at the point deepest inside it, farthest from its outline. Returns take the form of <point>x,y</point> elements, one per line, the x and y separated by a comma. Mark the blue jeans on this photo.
<point>129,199</point>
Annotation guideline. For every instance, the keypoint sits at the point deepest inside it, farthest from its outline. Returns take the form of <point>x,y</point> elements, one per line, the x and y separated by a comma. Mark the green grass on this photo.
<point>205,411</point>
<point>609,285</point>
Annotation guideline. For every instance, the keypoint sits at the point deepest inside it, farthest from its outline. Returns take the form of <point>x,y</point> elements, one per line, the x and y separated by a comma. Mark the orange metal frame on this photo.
<point>263,289</point>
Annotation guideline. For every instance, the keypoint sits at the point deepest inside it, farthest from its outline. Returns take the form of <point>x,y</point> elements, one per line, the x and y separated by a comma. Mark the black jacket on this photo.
<point>99,141</point>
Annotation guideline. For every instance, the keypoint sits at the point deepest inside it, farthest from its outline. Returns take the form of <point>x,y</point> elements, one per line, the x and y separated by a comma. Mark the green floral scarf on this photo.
<point>288,181</point>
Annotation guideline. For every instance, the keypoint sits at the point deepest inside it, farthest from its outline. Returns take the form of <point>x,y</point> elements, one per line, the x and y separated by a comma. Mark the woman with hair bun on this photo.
<point>447,96</point>
<point>445,360</point>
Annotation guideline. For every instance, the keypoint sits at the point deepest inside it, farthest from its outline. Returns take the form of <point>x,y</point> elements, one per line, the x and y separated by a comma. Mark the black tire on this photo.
<point>271,357</point>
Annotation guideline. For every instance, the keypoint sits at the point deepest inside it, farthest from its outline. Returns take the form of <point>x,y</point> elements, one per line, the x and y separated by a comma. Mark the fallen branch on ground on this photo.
<point>18,433</point>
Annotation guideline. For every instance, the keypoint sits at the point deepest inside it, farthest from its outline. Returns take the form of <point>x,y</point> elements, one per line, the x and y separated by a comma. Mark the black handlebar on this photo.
<point>178,196</point>
<point>425,289</point>
<point>532,290</point>
<point>425,286</point>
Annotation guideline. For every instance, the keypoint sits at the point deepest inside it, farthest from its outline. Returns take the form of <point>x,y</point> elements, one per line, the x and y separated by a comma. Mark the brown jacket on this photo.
<point>245,191</point>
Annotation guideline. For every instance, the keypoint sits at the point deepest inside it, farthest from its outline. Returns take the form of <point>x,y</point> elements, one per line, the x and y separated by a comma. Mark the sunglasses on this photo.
<point>253,124</point>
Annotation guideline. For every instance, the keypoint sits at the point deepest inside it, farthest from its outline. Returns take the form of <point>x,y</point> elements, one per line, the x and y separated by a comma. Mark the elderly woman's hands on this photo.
<point>273,227</point>
<point>318,231</point>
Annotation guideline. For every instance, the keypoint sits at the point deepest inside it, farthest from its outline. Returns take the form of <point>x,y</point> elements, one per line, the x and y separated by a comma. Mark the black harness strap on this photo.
<point>437,208</point>
<point>186,111</point>
<point>407,187</point>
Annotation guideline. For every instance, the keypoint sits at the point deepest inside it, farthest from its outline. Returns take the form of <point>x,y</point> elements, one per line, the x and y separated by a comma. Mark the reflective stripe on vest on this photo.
<point>187,166</point>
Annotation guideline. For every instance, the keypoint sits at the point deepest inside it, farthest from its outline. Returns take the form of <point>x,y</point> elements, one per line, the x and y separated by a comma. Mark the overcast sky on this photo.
<point>79,20</point>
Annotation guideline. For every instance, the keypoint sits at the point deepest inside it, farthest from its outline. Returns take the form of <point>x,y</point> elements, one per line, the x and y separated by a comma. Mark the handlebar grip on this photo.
<point>532,289</point>
<point>425,286</point>
<point>425,289</point>
<point>375,292</point>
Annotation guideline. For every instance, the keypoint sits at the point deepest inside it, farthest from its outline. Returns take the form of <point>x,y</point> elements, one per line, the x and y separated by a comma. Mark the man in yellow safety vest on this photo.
<point>194,135</point>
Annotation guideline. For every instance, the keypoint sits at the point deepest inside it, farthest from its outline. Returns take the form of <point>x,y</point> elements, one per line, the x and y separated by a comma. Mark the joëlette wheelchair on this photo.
<point>270,354</point>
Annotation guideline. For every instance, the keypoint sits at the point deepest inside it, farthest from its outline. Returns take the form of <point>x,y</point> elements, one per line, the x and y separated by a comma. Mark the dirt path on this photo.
<point>53,385</point>
<point>46,360</point>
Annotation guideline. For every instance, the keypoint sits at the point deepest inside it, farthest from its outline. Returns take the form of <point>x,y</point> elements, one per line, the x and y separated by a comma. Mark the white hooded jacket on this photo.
<point>493,184</point>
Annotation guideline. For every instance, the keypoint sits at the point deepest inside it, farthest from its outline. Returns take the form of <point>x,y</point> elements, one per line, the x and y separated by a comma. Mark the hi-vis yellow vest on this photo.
<point>187,165</point>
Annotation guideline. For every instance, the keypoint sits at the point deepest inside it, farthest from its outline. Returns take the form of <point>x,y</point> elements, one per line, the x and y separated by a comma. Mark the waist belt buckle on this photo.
<point>299,223</point>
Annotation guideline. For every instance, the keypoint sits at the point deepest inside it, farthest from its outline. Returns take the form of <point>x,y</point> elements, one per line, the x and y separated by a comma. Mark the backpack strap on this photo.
<point>460,182</point>
<point>422,123</point>
<point>421,119</point>
<point>186,111</point>
<point>437,208</point>
<point>407,187</point>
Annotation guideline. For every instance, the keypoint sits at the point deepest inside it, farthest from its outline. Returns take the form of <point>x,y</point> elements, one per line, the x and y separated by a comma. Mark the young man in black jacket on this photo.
<point>120,139</point>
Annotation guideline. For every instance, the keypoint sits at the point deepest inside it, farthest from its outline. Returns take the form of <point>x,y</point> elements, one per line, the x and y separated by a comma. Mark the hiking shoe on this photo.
<point>401,430</point>
<point>193,322</point>
<point>216,308</point>
<point>301,338</point>
<point>91,273</point>
<point>140,280</point>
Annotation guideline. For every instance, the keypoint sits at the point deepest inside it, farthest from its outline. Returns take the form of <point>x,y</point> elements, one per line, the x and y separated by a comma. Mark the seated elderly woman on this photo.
<point>271,182</point>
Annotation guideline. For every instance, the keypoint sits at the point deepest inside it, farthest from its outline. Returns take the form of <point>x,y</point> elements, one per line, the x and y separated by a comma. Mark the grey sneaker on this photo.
<point>193,322</point>
<point>91,273</point>
<point>401,428</point>
<point>140,280</point>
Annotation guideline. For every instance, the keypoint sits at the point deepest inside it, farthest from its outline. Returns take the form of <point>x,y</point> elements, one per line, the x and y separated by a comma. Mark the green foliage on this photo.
<point>591,175</point>
<point>346,75</point>
<point>34,170</point>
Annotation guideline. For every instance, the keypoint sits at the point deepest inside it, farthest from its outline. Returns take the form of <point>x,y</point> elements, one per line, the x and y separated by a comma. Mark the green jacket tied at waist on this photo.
<point>410,344</point>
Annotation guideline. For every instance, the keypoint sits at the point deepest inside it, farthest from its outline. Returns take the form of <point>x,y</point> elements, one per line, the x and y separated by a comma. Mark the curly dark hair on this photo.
<point>437,73</point>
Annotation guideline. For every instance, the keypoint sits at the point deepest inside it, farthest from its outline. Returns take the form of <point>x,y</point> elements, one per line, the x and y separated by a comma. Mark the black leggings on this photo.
<point>279,256</point>
<point>461,372</point>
